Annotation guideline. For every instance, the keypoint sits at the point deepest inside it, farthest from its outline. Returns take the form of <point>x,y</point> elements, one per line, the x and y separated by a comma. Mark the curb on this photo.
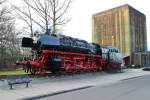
<point>134,77</point>
<point>55,93</point>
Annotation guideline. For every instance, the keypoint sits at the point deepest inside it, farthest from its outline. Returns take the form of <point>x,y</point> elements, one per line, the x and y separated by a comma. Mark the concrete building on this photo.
<point>142,58</point>
<point>122,27</point>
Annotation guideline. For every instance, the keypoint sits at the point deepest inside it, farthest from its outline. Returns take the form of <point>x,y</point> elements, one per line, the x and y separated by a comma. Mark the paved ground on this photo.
<point>48,85</point>
<point>132,89</point>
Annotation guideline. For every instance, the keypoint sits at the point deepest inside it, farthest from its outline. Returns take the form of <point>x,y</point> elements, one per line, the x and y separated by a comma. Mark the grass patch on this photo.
<point>15,72</point>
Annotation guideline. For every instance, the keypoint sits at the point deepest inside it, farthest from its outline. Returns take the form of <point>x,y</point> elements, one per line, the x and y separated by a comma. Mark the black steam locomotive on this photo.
<point>64,54</point>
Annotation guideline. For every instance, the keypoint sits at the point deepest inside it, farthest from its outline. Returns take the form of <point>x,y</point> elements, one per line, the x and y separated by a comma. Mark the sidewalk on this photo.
<point>48,85</point>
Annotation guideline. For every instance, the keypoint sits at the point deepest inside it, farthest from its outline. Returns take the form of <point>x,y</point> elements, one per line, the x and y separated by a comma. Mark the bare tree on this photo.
<point>8,43</point>
<point>47,13</point>
<point>58,10</point>
<point>25,15</point>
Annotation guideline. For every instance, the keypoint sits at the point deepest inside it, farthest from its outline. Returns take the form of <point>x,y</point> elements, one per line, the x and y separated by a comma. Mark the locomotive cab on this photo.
<point>27,42</point>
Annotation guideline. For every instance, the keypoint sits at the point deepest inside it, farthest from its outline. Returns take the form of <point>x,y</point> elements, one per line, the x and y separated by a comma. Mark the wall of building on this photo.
<point>137,30</point>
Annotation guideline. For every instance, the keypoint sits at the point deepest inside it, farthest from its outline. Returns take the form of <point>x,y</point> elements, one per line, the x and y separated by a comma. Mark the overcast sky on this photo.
<point>81,12</point>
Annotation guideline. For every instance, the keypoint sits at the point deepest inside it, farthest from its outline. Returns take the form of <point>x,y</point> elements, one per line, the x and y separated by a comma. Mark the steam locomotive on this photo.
<point>64,54</point>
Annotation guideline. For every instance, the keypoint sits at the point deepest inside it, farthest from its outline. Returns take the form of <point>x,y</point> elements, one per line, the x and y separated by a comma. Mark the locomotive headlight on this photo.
<point>35,39</point>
